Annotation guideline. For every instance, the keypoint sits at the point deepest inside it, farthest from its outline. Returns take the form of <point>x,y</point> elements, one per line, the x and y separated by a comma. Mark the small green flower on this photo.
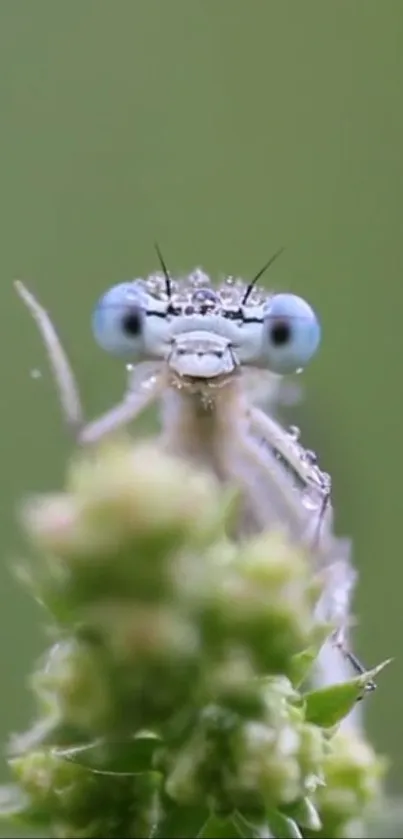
<point>352,774</point>
<point>173,701</point>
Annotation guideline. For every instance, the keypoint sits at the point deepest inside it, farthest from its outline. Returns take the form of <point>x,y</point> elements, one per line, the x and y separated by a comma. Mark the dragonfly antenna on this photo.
<point>168,284</point>
<point>259,274</point>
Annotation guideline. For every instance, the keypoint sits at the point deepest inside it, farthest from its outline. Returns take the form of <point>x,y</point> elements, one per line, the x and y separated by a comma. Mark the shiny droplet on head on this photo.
<point>294,432</point>
<point>311,498</point>
<point>198,278</point>
<point>204,298</point>
<point>310,457</point>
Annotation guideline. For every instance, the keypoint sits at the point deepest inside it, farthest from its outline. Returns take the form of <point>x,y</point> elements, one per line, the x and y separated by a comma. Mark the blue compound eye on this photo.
<point>119,318</point>
<point>291,333</point>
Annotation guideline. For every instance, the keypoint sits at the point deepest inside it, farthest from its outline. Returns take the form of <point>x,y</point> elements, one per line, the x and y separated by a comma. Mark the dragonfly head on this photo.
<point>205,332</point>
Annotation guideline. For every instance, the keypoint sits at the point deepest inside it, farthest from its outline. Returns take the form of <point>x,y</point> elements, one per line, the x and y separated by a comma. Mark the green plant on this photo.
<point>173,701</point>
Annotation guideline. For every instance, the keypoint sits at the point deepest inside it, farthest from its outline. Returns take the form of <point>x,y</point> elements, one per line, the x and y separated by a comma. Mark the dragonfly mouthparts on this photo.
<point>201,355</point>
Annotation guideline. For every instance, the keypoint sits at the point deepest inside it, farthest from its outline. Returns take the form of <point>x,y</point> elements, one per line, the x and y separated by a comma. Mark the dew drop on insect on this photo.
<point>299,371</point>
<point>294,432</point>
<point>229,297</point>
<point>149,383</point>
<point>310,457</point>
<point>205,297</point>
<point>129,367</point>
<point>198,278</point>
<point>35,373</point>
<point>311,499</point>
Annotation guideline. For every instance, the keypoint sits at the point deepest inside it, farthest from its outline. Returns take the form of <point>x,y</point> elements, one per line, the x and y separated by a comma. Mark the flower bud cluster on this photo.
<point>171,687</point>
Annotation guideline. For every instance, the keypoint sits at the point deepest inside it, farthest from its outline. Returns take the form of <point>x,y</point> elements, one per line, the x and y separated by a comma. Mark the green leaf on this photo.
<point>283,827</point>
<point>301,663</point>
<point>181,822</point>
<point>328,706</point>
<point>115,757</point>
<point>216,828</point>
<point>251,827</point>
<point>305,814</point>
<point>50,731</point>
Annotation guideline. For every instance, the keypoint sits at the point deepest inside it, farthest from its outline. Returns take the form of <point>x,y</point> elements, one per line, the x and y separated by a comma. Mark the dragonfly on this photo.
<point>208,353</point>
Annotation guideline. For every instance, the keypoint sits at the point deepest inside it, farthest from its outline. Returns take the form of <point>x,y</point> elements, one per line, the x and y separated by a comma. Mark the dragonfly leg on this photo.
<point>355,663</point>
<point>66,384</point>
<point>67,387</point>
<point>122,414</point>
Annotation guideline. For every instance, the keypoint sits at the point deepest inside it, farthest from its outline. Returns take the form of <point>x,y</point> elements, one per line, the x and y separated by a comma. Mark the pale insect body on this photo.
<point>197,349</point>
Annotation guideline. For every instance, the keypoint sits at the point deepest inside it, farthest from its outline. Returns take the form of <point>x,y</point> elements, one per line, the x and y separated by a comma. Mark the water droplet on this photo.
<point>326,480</point>
<point>129,367</point>
<point>198,278</point>
<point>148,383</point>
<point>311,498</point>
<point>255,297</point>
<point>35,373</point>
<point>299,371</point>
<point>205,298</point>
<point>229,297</point>
<point>294,432</point>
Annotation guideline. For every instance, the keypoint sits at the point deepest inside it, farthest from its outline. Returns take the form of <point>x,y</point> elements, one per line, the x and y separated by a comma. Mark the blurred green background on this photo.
<point>225,129</point>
